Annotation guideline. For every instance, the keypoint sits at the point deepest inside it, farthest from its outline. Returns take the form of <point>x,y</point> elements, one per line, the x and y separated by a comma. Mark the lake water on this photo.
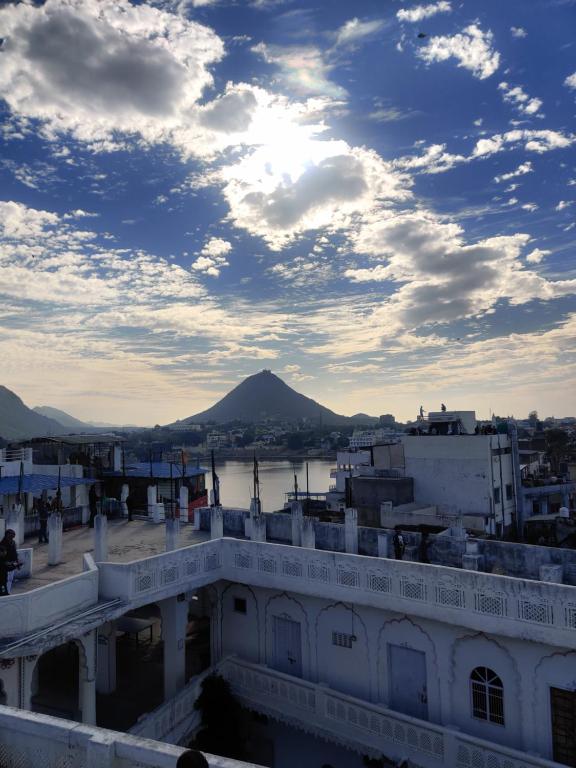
<point>276,479</point>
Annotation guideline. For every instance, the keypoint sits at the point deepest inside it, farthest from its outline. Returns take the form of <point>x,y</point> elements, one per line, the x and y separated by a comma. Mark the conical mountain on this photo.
<point>266,396</point>
<point>61,417</point>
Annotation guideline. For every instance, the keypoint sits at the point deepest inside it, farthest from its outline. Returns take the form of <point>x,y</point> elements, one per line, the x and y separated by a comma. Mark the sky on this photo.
<point>375,200</point>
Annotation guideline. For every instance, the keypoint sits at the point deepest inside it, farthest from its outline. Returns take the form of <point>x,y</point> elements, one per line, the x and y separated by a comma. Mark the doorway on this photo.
<point>563,709</point>
<point>287,646</point>
<point>408,687</point>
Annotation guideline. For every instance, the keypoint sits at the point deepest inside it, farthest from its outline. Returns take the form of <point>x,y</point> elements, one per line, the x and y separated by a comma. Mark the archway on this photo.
<point>56,683</point>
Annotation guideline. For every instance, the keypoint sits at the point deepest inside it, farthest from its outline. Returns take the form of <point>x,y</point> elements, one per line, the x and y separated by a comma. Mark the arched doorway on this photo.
<point>56,683</point>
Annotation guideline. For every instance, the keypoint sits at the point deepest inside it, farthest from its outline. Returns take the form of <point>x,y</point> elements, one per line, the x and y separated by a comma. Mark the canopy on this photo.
<point>37,483</point>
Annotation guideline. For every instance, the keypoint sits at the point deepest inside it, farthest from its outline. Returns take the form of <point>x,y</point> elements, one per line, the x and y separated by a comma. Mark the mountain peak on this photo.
<point>264,395</point>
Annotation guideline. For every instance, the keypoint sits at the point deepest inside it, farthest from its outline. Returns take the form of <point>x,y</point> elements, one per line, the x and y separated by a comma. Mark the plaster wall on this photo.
<point>363,670</point>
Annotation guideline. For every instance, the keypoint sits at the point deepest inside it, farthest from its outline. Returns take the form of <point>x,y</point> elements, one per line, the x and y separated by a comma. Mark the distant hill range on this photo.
<point>266,396</point>
<point>61,417</point>
<point>17,421</point>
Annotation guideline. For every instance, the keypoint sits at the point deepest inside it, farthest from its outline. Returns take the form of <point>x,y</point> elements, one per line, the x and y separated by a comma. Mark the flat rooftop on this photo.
<point>126,541</point>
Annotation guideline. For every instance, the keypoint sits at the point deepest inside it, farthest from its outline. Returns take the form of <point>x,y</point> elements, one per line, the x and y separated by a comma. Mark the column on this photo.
<point>216,523</point>
<point>566,498</point>
<point>543,505</point>
<point>308,537</point>
<point>54,538</point>
<point>100,538</point>
<point>172,533</point>
<point>153,513</point>
<point>183,502</point>
<point>351,530</point>
<point>383,544</point>
<point>124,493</point>
<point>258,528</point>
<point>87,682</point>
<point>106,666</point>
<point>174,621</point>
<point>296,512</point>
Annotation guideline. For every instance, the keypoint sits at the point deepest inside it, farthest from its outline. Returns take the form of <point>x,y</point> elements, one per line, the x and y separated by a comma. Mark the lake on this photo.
<point>276,479</point>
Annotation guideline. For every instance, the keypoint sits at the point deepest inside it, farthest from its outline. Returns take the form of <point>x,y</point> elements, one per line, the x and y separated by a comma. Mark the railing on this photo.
<point>484,602</point>
<point>37,609</point>
<point>30,740</point>
<point>365,727</point>
<point>71,517</point>
<point>176,718</point>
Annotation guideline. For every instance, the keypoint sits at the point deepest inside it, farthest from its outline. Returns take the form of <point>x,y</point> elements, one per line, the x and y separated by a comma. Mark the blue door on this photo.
<point>408,692</point>
<point>287,646</point>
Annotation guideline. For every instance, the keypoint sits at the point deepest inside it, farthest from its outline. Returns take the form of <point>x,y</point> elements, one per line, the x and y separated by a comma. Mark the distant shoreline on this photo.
<point>264,456</point>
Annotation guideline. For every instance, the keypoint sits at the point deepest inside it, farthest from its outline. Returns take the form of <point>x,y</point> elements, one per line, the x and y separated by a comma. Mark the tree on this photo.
<point>222,720</point>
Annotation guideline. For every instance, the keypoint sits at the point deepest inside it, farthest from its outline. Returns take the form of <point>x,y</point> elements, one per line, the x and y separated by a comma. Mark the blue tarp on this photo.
<point>37,483</point>
<point>160,470</point>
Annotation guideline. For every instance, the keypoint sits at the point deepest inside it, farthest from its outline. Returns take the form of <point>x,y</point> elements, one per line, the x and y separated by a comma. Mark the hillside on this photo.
<point>263,396</point>
<point>61,417</point>
<point>18,421</point>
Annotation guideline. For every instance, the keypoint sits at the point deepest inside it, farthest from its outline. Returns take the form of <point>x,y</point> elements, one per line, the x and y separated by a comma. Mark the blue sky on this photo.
<point>377,202</point>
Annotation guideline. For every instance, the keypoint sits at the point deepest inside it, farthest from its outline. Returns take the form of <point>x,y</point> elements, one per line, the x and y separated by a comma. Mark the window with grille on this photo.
<point>497,495</point>
<point>487,695</point>
<point>342,639</point>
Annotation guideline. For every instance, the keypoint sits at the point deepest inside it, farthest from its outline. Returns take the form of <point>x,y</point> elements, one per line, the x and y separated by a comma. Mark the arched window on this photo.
<point>487,695</point>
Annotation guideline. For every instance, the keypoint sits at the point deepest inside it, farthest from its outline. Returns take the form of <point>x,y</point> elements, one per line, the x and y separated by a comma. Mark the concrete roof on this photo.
<point>126,541</point>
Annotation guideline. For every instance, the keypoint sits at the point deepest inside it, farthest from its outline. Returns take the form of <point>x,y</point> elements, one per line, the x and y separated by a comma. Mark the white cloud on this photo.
<point>530,207</point>
<point>355,30</point>
<point>213,257</point>
<point>291,369</point>
<point>280,191</point>
<point>518,32</point>
<point>420,12</point>
<point>303,69</point>
<point>472,48</point>
<point>563,204</point>
<point>522,170</point>
<point>536,256</point>
<point>96,67</point>
<point>442,278</point>
<point>520,99</point>
<point>570,81</point>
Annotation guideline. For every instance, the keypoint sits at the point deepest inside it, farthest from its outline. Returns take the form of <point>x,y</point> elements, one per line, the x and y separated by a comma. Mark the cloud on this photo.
<point>232,112</point>
<point>302,69</point>
<point>420,12</point>
<point>537,255</point>
<point>522,170</point>
<point>570,81</point>
<point>520,99</point>
<point>355,30</point>
<point>472,48</point>
<point>518,32</point>
<point>280,191</point>
<point>386,114</point>
<point>213,257</point>
<point>96,67</point>
<point>444,279</point>
<point>563,204</point>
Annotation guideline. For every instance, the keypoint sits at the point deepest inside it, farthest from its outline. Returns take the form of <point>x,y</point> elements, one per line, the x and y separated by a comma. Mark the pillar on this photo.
<point>258,528</point>
<point>255,507</point>
<point>54,538</point>
<point>153,513</point>
<point>383,544</point>
<point>308,533</point>
<point>565,498</point>
<point>124,493</point>
<point>183,502</point>
<point>351,530</point>
<point>87,682</point>
<point>296,512</point>
<point>216,523</point>
<point>15,520</point>
<point>100,538</point>
<point>174,622</point>
<point>543,505</point>
<point>172,533</point>
<point>106,654</point>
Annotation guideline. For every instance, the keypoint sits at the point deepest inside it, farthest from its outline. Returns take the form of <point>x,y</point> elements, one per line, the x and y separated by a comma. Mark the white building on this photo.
<point>431,664</point>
